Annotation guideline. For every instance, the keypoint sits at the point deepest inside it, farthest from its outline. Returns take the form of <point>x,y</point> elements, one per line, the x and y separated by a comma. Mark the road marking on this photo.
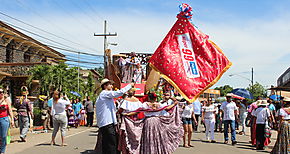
<point>78,133</point>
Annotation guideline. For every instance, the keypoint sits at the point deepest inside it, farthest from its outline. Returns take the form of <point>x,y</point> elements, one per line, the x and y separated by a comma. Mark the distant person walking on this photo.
<point>59,116</point>
<point>230,111</point>
<point>208,118</point>
<point>89,107</point>
<point>197,113</point>
<point>5,113</point>
<point>77,107</point>
<point>24,109</point>
<point>262,115</point>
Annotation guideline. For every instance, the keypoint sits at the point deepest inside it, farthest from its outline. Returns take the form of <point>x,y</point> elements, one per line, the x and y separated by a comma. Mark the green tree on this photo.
<point>60,77</point>
<point>100,70</point>
<point>257,90</point>
<point>224,89</point>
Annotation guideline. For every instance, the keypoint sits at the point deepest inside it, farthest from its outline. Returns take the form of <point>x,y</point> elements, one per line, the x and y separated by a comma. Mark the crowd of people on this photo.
<point>144,125</point>
<point>148,124</point>
<point>57,112</point>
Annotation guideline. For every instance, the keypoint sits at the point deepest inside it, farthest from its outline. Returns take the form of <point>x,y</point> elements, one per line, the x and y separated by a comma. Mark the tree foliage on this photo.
<point>61,77</point>
<point>257,90</point>
<point>224,89</point>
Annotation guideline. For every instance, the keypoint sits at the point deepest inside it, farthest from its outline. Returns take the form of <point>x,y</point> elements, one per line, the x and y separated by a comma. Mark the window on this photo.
<point>26,57</point>
<point>9,52</point>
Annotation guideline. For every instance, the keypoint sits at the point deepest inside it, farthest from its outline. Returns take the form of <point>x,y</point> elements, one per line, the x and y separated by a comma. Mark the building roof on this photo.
<point>17,35</point>
<point>284,79</point>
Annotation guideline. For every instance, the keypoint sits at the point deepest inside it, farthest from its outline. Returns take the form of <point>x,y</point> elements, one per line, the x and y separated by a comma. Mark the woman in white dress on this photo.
<point>208,118</point>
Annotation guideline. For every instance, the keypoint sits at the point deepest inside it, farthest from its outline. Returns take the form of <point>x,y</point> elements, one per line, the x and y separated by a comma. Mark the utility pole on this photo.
<point>78,72</point>
<point>105,44</point>
<point>252,77</point>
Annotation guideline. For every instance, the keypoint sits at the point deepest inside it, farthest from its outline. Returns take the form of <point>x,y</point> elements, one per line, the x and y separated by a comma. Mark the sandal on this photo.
<point>63,145</point>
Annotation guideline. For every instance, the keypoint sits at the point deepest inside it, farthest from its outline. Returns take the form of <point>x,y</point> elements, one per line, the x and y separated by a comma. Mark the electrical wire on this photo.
<point>72,60</point>
<point>69,50</point>
<point>43,30</point>
<point>42,18</point>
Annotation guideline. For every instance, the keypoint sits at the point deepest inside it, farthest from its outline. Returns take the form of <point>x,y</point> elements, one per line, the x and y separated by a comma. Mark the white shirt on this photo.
<point>59,107</point>
<point>169,102</point>
<point>197,107</point>
<point>209,112</point>
<point>130,106</point>
<point>262,115</point>
<point>284,114</point>
<point>105,106</point>
<point>187,111</point>
<point>229,110</point>
<point>242,109</point>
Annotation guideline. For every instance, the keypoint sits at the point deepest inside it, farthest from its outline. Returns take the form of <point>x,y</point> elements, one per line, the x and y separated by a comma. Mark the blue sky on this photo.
<point>252,33</point>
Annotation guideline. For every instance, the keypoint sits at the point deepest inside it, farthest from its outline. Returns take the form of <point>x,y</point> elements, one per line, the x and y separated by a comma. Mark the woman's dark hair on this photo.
<point>105,84</point>
<point>152,96</point>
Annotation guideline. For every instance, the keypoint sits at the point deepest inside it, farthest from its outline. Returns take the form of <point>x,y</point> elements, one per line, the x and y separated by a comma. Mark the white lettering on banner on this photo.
<point>187,56</point>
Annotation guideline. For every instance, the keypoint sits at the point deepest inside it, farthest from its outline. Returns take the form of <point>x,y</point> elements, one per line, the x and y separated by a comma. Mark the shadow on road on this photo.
<point>89,152</point>
<point>46,144</point>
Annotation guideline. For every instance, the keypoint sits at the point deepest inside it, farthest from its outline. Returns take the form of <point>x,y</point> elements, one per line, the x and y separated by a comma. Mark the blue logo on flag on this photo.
<point>193,68</point>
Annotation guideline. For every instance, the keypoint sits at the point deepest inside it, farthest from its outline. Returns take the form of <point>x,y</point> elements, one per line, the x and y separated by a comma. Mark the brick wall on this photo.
<point>2,51</point>
<point>2,54</point>
<point>18,56</point>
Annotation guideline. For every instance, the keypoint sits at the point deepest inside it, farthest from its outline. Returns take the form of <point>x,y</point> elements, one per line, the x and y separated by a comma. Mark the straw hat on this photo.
<point>258,102</point>
<point>229,95</point>
<point>263,103</point>
<point>105,81</point>
<point>286,99</point>
<point>179,98</point>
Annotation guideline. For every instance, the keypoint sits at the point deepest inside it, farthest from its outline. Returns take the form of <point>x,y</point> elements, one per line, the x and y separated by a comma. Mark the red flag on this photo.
<point>187,59</point>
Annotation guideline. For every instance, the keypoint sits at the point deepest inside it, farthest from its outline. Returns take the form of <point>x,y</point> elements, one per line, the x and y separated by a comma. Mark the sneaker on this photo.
<point>226,142</point>
<point>234,142</point>
<point>22,139</point>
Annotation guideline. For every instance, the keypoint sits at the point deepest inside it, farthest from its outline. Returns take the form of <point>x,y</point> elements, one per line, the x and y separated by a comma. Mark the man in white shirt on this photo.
<point>230,111</point>
<point>106,115</point>
<point>197,114</point>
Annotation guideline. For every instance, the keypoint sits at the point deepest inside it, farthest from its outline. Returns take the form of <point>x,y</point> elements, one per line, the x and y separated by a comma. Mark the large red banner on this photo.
<point>188,60</point>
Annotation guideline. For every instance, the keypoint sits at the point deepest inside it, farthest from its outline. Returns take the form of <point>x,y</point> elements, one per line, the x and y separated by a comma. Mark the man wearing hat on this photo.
<point>106,115</point>
<point>230,111</point>
<point>24,109</point>
<point>261,115</point>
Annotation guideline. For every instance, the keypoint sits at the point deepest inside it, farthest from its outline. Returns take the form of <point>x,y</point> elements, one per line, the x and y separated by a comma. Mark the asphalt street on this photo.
<point>83,140</point>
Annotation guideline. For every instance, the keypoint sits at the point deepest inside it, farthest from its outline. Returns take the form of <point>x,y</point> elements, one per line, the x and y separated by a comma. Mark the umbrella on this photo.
<point>243,93</point>
<point>275,97</point>
<point>237,96</point>
<point>75,93</point>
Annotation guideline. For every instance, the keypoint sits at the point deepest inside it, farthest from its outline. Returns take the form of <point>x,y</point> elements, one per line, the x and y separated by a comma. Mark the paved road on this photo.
<point>82,141</point>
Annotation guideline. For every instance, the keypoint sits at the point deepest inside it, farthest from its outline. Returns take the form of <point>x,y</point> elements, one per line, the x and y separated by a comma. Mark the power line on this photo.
<point>81,9</point>
<point>63,9</point>
<point>42,30</point>
<point>72,51</point>
<point>72,60</point>
<point>84,66</point>
<point>36,34</point>
<point>38,14</point>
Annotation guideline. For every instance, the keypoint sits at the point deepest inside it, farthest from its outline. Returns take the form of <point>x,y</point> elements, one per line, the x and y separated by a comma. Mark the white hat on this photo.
<point>179,98</point>
<point>229,95</point>
<point>286,99</point>
<point>263,103</point>
<point>105,81</point>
